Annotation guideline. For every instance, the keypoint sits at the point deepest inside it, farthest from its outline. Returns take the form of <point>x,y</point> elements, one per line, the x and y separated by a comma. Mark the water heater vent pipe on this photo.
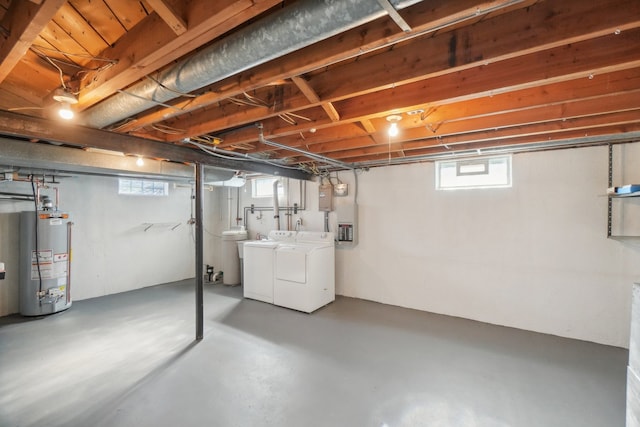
<point>276,206</point>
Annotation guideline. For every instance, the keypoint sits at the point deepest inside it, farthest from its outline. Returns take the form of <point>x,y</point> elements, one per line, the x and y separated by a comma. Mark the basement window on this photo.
<point>263,187</point>
<point>481,172</point>
<point>142,187</point>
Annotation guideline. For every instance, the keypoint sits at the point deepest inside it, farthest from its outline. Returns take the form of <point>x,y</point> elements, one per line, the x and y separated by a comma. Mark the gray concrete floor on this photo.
<point>130,360</point>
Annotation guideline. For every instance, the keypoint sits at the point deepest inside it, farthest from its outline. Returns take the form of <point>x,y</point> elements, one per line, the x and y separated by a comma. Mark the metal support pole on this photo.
<point>199,252</point>
<point>609,185</point>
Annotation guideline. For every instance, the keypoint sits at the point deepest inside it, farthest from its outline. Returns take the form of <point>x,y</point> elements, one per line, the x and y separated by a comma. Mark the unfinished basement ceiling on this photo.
<point>322,77</point>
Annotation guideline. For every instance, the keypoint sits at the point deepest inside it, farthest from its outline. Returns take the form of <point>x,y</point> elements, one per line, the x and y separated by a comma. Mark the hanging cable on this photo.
<point>53,61</point>
<point>231,155</point>
<point>38,49</point>
<point>165,87</point>
<point>148,100</point>
<point>167,129</point>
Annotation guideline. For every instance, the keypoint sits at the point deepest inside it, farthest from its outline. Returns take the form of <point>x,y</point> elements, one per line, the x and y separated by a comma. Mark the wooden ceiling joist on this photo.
<point>426,17</point>
<point>169,15</point>
<point>313,98</point>
<point>25,21</point>
<point>341,81</point>
<point>152,45</point>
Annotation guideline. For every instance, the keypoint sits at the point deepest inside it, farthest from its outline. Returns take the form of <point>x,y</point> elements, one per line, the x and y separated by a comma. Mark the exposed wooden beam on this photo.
<point>544,26</point>
<point>281,101</point>
<point>583,124</point>
<point>569,138</point>
<point>24,20</point>
<point>307,90</point>
<point>580,126</point>
<point>169,15</point>
<point>611,93</point>
<point>615,90</point>
<point>424,18</point>
<point>137,57</point>
<point>393,14</point>
<point>331,111</point>
<point>607,54</point>
<point>536,69</point>
<point>487,140</point>
<point>411,64</point>
<point>312,96</point>
<point>610,85</point>
<point>74,24</point>
<point>546,113</point>
<point>368,126</point>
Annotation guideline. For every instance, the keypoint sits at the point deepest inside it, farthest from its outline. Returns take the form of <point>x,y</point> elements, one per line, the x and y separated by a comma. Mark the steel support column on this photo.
<point>199,252</point>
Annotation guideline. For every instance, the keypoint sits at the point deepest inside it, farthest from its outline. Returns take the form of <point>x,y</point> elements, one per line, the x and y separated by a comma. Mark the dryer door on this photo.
<point>291,264</point>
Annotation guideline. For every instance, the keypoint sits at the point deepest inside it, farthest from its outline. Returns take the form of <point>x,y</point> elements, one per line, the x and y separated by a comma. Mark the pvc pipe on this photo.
<point>276,207</point>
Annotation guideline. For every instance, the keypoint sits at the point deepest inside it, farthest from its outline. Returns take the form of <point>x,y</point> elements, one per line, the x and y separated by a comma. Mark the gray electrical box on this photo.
<point>341,190</point>
<point>325,198</point>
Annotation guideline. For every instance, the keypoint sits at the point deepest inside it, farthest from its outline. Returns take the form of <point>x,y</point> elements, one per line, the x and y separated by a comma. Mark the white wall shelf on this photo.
<point>614,196</point>
<point>625,238</point>
<point>622,196</point>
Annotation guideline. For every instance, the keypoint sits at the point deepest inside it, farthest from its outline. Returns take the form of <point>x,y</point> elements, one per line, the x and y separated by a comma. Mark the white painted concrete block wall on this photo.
<point>534,256</point>
<point>111,251</point>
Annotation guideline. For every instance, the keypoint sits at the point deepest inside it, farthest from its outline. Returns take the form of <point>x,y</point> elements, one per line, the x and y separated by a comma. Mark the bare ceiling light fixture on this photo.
<point>393,128</point>
<point>65,98</point>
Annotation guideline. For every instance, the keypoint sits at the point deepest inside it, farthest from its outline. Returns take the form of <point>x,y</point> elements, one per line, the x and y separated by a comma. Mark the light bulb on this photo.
<point>65,111</point>
<point>140,162</point>
<point>393,129</point>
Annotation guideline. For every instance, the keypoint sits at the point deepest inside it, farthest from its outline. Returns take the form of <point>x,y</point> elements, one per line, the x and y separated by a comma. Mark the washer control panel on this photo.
<point>283,235</point>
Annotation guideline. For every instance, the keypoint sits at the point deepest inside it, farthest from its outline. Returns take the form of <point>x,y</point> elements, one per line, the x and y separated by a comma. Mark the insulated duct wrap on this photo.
<point>287,30</point>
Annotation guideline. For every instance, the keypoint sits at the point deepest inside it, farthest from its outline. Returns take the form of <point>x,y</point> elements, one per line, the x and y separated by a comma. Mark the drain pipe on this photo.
<point>291,28</point>
<point>276,206</point>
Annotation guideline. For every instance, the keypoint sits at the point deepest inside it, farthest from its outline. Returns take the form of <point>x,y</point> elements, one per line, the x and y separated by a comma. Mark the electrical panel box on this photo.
<point>347,215</point>
<point>325,194</point>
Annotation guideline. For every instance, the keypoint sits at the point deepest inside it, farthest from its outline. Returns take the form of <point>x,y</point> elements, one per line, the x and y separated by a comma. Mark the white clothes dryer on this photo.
<point>305,272</point>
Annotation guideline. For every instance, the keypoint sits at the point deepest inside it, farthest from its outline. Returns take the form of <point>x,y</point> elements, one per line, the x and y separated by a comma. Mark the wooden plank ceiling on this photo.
<point>467,76</point>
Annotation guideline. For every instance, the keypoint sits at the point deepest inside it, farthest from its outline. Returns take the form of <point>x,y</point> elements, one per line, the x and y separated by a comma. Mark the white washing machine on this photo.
<point>258,265</point>
<point>305,272</point>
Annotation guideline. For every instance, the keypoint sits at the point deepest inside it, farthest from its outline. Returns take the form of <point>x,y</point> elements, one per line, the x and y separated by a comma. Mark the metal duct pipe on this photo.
<point>289,29</point>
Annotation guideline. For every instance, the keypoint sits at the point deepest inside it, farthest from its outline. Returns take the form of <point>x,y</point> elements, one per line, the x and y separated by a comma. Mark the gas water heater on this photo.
<point>45,260</point>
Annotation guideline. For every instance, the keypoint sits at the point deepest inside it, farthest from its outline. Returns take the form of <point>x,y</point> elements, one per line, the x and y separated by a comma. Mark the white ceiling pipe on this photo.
<point>276,205</point>
<point>314,156</point>
<point>294,27</point>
